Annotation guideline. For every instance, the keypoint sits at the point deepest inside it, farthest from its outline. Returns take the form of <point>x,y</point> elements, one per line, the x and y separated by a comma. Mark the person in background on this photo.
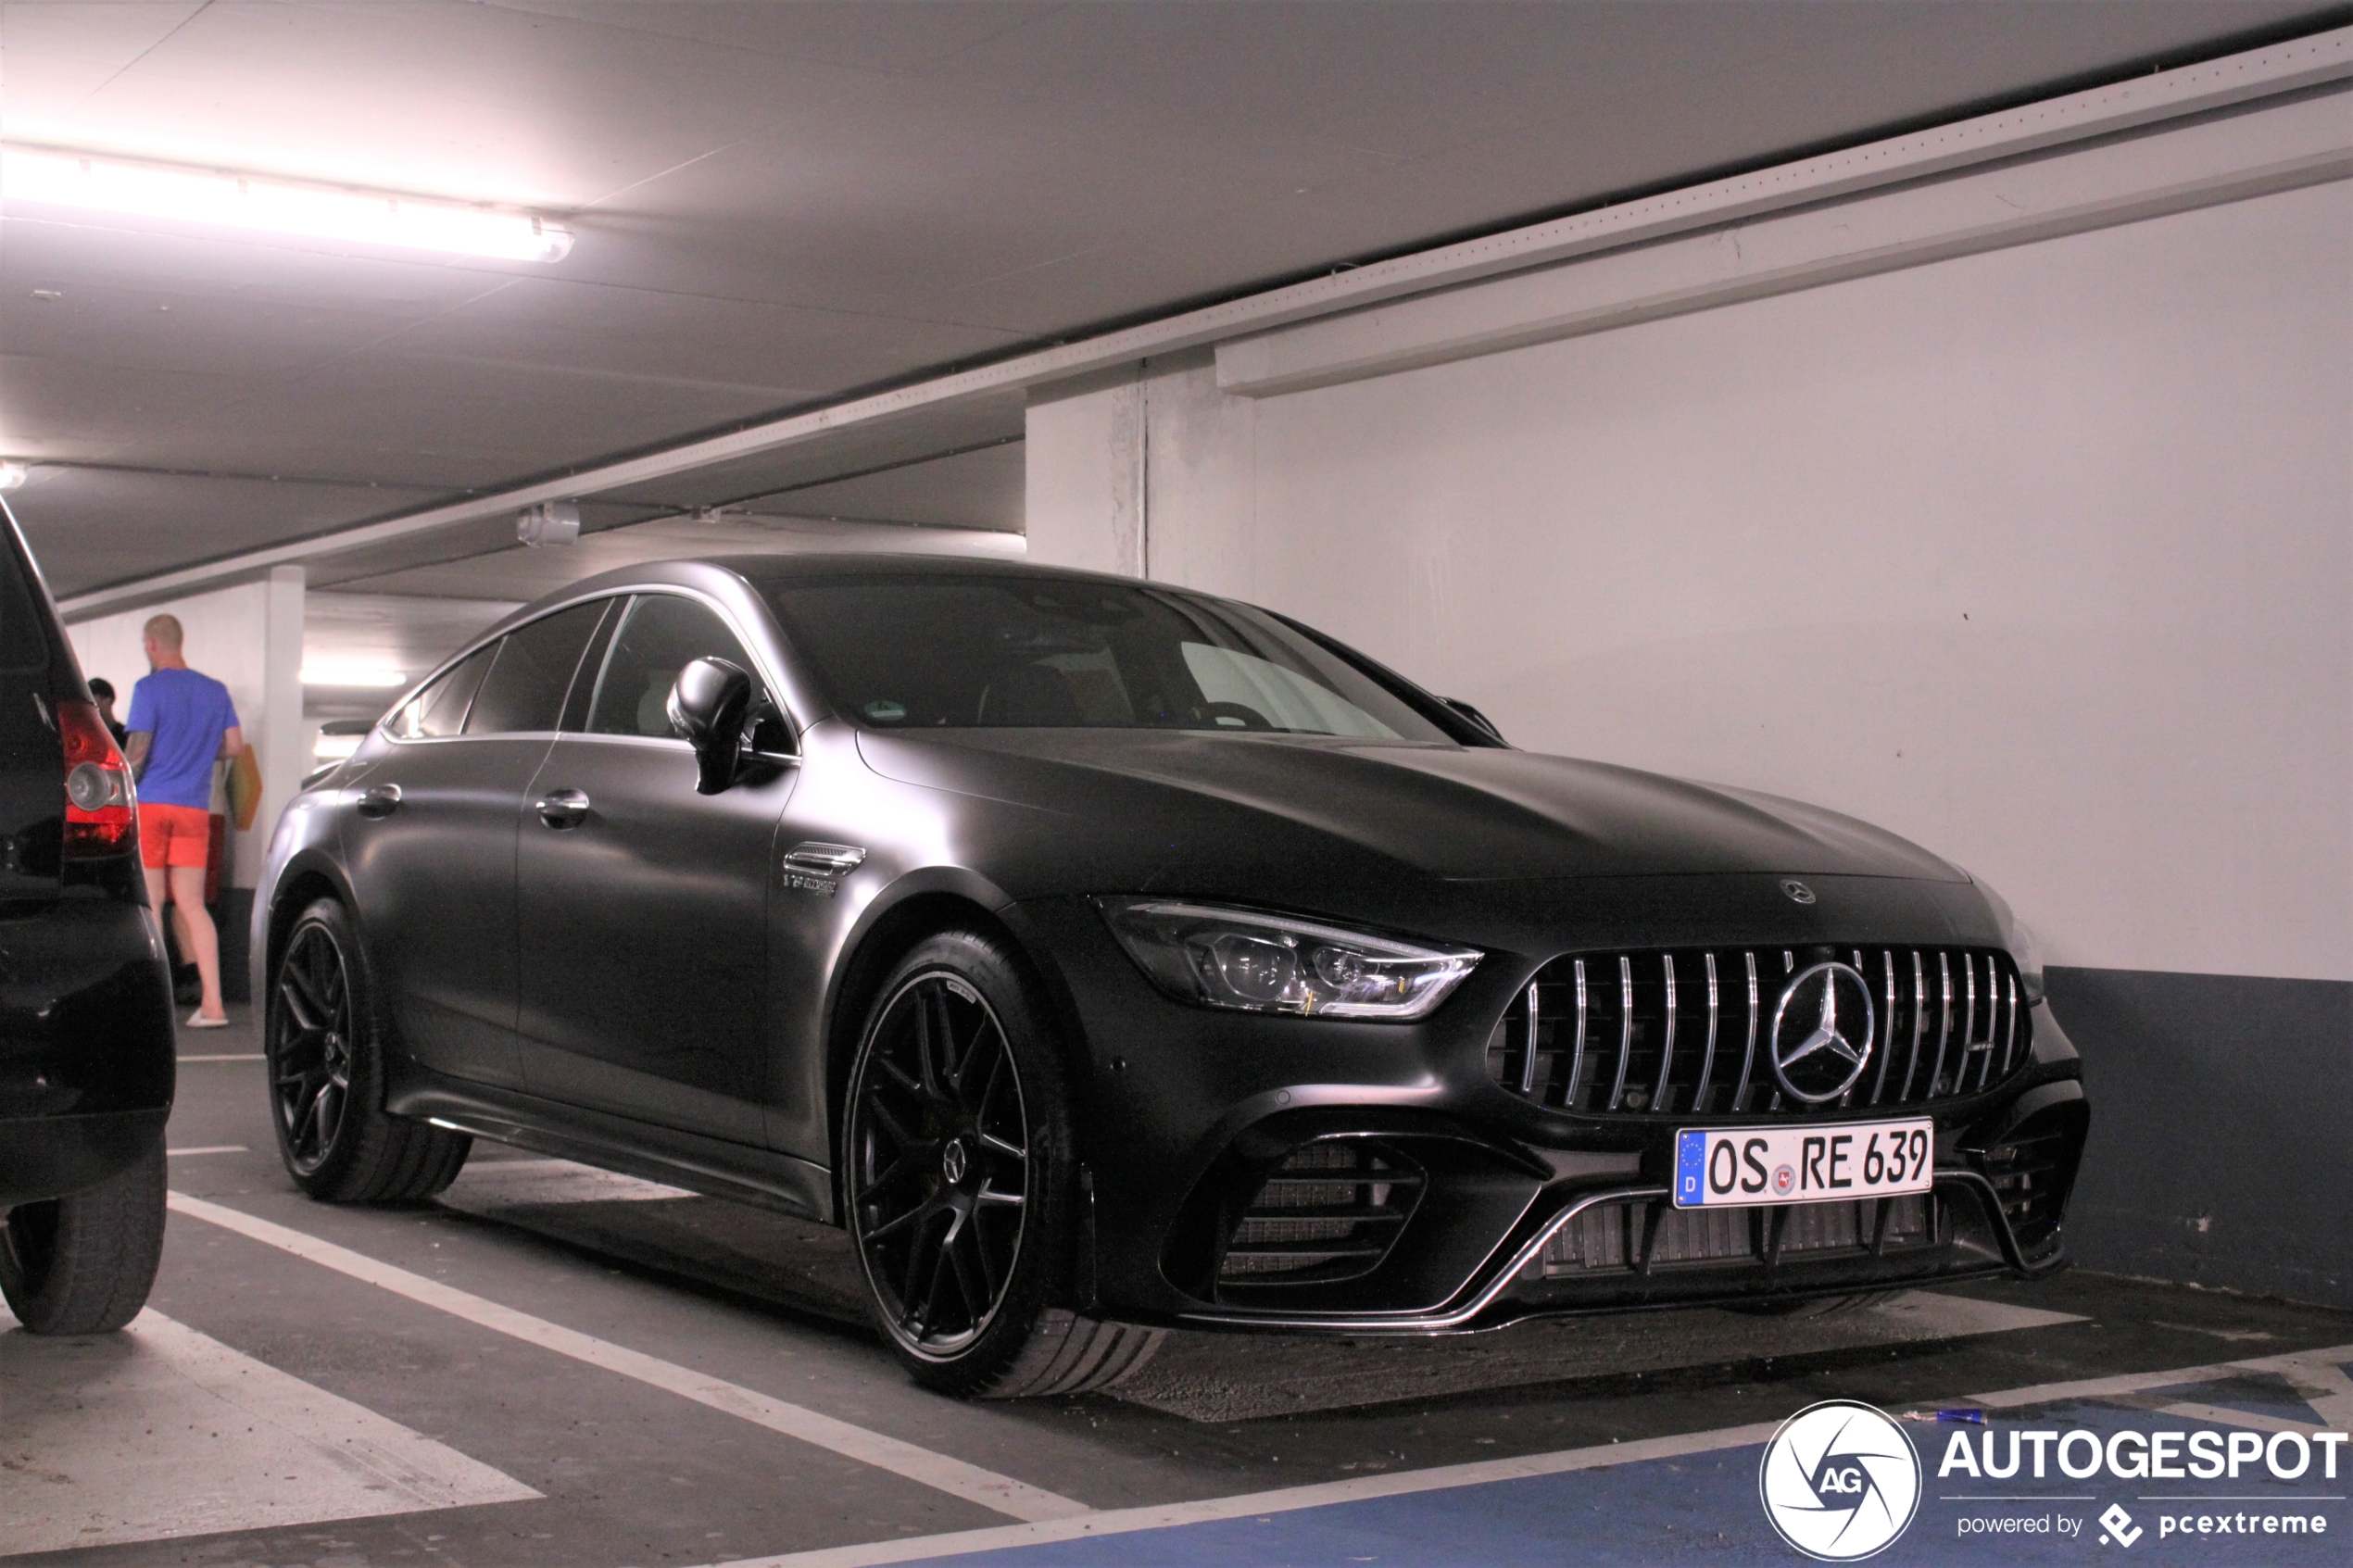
<point>181,723</point>
<point>102,692</point>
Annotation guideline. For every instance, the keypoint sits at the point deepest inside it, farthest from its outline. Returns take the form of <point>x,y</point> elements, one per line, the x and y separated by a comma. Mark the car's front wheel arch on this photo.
<point>876,951</point>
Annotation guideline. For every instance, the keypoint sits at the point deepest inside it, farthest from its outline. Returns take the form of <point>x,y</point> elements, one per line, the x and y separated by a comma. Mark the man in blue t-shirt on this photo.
<point>181,723</point>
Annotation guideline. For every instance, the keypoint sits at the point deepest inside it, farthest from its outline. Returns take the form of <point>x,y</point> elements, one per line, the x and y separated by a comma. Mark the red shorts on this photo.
<point>174,836</point>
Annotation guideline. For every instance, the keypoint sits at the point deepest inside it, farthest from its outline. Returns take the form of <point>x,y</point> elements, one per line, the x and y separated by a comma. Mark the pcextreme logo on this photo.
<point>1840,1481</point>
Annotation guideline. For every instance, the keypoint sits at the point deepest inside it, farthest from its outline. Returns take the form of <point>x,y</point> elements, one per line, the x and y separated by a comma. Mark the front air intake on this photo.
<point>1330,1211</point>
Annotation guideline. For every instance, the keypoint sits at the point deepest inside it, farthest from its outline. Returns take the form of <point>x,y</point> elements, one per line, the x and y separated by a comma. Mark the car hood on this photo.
<point>1444,811</point>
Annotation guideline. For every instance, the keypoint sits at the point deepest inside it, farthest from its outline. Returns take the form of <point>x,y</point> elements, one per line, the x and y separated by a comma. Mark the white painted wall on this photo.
<point>2043,556</point>
<point>248,638</point>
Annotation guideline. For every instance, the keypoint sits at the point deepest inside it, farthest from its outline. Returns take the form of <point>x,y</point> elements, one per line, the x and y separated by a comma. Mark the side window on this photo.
<point>440,708</point>
<point>662,633</point>
<point>524,690</point>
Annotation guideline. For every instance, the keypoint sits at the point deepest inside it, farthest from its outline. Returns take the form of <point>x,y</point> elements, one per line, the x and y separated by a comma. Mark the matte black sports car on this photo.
<point>1107,957</point>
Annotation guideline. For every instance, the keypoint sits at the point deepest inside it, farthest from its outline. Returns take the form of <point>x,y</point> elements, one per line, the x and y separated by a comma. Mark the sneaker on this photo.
<point>198,1021</point>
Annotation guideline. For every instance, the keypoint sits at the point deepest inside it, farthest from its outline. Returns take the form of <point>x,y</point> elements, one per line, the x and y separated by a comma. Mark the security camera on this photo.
<point>550,523</point>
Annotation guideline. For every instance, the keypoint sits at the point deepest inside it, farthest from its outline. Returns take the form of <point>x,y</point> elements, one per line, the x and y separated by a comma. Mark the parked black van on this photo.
<point>86,1040</point>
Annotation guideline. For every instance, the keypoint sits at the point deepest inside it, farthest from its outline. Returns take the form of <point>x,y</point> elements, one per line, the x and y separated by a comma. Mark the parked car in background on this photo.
<point>1107,957</point>
<point>86,1039</point>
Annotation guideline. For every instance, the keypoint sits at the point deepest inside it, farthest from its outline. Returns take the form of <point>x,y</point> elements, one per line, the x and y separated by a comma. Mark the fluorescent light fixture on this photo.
<point>350,673</point>
<point>12,475</point>
<point>333,749</point>
<point>109,182</point>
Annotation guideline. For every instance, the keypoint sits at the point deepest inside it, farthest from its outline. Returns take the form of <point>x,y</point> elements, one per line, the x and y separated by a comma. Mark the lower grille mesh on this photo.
<point>1644,1236</point>
<point>1330,1211</point>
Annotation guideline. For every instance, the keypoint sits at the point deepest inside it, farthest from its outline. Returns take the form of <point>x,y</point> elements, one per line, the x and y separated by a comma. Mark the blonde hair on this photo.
<point>165,630</point>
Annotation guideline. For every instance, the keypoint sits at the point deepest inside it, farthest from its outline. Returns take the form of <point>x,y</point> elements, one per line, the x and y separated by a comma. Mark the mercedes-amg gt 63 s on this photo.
<point>1106,956</point>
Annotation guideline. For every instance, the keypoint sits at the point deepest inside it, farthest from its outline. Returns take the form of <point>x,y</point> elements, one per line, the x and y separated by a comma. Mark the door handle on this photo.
<point>380,801</point>
<point>562,807</point>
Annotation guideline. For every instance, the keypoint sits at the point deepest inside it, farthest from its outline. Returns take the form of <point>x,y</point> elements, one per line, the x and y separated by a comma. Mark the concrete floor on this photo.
<point>553,1366</point>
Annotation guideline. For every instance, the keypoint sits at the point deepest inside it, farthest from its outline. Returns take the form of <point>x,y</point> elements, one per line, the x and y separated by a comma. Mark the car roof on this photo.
<point>766,571</point>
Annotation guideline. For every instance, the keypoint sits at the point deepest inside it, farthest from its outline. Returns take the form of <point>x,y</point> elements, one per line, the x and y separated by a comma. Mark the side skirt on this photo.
<point>636,1149</point>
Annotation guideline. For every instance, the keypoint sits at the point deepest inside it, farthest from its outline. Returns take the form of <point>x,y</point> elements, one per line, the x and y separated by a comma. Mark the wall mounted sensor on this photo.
<point>550,523</point>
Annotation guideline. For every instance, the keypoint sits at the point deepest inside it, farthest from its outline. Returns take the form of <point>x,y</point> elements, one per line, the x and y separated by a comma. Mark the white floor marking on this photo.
<point>2222,1416</point>
<point>1001,1494</point>
<point>1213,1378</point>
<point>506,1183</point>
<point>2316,1370</point>
<point>1125,1521</point>
<point>207,1148</point>
<point>236,1056</point>
<point>2308,1366</point>
<point>162,1431</point>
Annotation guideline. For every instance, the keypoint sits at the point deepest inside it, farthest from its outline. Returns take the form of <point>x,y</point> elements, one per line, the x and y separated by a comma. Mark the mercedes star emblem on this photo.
<point>1798,892</point>
<point>1823,1032</point>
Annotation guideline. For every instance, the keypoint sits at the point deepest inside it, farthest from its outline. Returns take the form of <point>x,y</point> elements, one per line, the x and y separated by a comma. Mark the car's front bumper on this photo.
<point>1187,1113</point>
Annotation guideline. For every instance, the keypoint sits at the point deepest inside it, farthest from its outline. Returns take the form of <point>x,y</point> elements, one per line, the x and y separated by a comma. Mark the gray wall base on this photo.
<point>2221,1143</point>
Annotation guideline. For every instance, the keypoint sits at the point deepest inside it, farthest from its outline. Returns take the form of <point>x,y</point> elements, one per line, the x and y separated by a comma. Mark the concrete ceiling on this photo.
<point>778,204</point>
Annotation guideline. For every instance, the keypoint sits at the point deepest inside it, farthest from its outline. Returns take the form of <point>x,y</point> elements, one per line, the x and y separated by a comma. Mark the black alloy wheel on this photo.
<point>310,1027</point>
<point>323,1044</point>
<point>958,1167</point>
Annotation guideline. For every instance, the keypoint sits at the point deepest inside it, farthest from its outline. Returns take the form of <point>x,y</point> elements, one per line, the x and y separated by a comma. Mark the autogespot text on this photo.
<point>2142,1456</point>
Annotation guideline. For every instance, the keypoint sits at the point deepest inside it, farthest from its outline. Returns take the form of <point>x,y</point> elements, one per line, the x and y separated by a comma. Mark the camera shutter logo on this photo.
<point>1823,1032</point>
<point>1840,1481</point>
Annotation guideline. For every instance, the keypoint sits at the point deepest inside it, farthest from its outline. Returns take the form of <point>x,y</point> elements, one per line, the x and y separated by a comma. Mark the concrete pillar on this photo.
<point>279,736</point>
<point>1087,470</point>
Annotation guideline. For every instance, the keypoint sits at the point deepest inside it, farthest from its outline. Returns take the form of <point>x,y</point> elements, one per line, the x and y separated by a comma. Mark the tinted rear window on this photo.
<point>524,690</point>
<point>919,653</point>
<point>440,708</point>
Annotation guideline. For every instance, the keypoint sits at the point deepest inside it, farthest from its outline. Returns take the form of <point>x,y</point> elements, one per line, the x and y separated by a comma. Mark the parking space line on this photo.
<point>1000,1494</point>
<point>1209,1510</point>
<point>234,1056</point>
<point>1126,1521</point>
<point>2222,1416</point>
<point>208,1148</point>
<point>2313,1365</point>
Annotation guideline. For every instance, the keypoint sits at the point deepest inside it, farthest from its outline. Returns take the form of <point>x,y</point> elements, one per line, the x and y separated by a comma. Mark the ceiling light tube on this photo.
<point>65,177</point>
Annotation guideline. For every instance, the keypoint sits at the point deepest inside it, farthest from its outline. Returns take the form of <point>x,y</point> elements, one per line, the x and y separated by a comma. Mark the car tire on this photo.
<point>324,1041</point>
<point>959,1180</point>
<point>84,1263</point>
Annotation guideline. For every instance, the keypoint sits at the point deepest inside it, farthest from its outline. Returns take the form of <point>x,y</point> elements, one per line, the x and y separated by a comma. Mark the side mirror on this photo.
<point>707,706</point>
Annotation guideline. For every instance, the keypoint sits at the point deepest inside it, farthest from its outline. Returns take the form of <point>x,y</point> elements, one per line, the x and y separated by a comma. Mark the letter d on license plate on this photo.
<point>1727,1167</point>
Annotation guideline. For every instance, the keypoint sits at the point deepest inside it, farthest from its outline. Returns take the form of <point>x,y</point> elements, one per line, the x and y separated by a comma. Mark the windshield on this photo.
<point>965,652</point>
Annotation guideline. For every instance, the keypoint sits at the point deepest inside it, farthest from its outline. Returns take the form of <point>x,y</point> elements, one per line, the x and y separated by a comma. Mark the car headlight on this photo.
<point>2025,950</point>
<point>1271,963</point>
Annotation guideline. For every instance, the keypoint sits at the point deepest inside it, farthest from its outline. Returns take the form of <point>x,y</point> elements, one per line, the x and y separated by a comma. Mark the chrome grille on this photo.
<point>1686,1031</point>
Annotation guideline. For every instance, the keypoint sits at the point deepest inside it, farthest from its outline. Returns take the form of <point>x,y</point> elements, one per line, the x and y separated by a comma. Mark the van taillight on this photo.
<point>102,815</point>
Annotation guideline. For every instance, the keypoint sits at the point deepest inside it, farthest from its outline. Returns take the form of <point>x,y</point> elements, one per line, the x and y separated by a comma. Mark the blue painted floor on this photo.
<point>1705,1508</point>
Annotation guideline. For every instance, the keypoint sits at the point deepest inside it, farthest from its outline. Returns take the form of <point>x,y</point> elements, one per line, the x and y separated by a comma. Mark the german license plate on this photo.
<point>1731,1167</point>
